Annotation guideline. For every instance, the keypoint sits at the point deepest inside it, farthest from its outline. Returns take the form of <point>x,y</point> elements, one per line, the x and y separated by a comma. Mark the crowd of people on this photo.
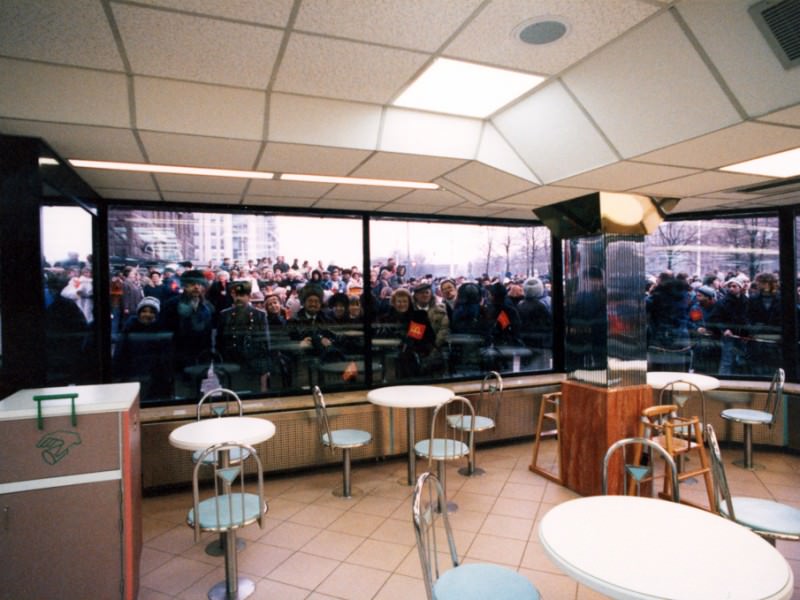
<point>272,319</point>
<point>260,324</point>
<point>720,324</point>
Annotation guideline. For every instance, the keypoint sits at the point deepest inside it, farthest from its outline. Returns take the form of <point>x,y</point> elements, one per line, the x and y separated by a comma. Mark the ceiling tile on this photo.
<point>367,193</point>
<point>702,183</point>
<point>490,37</point>
<point>730,37</point>
<point>346,70</point>
<point>518,214</point>
<point>278,201</point>
<point>415,132</point>
<point>542,196</point>
<point>553,135</point>
<point>321,122</point>
<point>76,33</point>
<point>67,94</point>
<point>199,109</point>
<point>316,160</point>
<point>124,180</point>
<point>201,198</point>
<point>189,183</point>
<point>198,151</point>
<point>728,146</point>
<point>487,182</point>
<point>789,116</point>
<point>115,194</point>
<point>288,189</point>
<point>80,141</point>
<point>346,204</point>
<point>496,152</point>
<point>274,12</point>
<point>407,167</point>
<point>167,44</point>
<point>432,198</point>
<point>389,22</point>
<point>625,175</point>
<point>668,77</point>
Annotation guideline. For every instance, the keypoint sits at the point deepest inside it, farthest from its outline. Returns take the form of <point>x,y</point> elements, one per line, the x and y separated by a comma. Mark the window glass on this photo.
<point>713,297</point>
<point>453,300</point>
<point>243,301</point>
<point>69,296</point>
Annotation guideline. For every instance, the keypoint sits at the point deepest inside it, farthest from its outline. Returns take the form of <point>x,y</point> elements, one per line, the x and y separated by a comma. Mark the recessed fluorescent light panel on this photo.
<point>171,169</point>
<point>460,88</point>
<point>782,164</point>
<point>418,185</point>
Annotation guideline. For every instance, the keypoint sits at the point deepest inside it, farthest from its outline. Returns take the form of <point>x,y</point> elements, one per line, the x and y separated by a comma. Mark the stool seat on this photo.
<point>347,438</point>
<point>228,511</point>
<point>474,581</point>
<point>765,515</point>
<point>441,449</point>
<point>237,455</point>
<point>747,415</point>
<point>465,422</point>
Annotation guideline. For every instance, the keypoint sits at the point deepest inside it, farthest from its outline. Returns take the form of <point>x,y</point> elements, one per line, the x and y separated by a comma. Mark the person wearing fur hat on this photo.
<point>243,338</point>
<point>190,318</point>
<point>437,314</point>
<point>312,326</point>
<point>535,318</point>
<point>142,351</point>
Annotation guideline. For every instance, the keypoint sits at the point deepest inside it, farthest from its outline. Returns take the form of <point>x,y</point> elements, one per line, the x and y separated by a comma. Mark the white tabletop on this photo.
<point>111,397</point>
<point>409,396</point>
<point>645,548</point>
<point>199,435</point>
<point>659,379</point>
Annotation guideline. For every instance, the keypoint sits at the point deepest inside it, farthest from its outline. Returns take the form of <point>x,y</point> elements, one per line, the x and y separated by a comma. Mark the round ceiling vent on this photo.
<point>542,30</point>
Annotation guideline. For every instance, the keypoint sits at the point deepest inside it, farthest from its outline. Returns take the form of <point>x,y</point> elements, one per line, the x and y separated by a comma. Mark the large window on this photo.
<point>713,296</point>
<point>272,304</point>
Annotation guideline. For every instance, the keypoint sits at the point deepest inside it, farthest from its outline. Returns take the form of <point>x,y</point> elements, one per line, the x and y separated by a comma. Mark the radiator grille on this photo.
<point>779,23</point>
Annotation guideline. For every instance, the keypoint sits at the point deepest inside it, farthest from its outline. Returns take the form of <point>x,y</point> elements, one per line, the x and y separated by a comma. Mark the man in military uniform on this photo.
<point>243,339</point>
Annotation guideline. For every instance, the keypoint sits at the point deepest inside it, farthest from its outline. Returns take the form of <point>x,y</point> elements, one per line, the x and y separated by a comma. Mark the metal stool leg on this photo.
<point>347,490</point>
<point>747,462</point>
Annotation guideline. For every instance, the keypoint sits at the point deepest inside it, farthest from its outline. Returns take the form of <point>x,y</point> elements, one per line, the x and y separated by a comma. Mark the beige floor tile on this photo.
<point>510,527</point>
<point>266,589</point>
<point>377,505</point>
<point>258,560</point>
<point>513,507</point>
<point>176,540</point>
<point>148,594</point>
<point>282,508</point>
<point>467,520</point>
<point>333,544</point>
<point>304,570</point>
<point>551,585</point>
<point>396,530</point>
<point>501,550</point>
<point>291,535</point>
<point>523,491</point>
<point>152,559</point>
<point>473,502</point>
<point>401,587</point>
<point>175,575</point>
<point>317,516</point>
<point>536,559</point>
<point>354,582</point>
<point>379,555</point>
<point>357,523</point>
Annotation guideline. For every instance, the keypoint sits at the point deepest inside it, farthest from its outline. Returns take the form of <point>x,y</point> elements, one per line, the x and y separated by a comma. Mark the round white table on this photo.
<point>203,434</point>
<point>629,547</point>
<point>410,397</point>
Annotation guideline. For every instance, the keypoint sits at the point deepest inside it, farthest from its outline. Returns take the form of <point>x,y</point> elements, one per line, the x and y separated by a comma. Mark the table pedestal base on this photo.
<point>245,588</point>
<point>217,547</point>
<point>354,492</point>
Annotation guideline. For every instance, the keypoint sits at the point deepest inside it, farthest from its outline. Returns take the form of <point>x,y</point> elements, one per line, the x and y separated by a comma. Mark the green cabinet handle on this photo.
<point>38,400</point>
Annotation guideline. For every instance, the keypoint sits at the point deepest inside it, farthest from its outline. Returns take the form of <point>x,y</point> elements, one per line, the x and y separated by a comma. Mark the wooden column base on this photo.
<point>593,418</point>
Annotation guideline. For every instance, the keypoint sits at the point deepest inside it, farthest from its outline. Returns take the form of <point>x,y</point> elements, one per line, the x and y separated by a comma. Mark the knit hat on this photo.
<point>533,288</point>
<point>150,301</point>
<point>338,298</point>
<point>257,296</point>
<point>707,290</point>
<point>421,287</point>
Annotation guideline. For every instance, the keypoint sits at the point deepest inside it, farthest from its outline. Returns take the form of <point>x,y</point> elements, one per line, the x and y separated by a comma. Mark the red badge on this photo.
<point>503,319</point>
<point>416,331</point>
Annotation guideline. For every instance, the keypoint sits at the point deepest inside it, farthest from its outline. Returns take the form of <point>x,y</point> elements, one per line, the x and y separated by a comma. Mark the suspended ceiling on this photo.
<point>644,96</point>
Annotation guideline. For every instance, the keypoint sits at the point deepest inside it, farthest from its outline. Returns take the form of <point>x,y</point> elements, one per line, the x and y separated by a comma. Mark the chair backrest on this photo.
<point>491,394</point>
<point>322,417</point>
<point>775,394</point>
<point>219,401</point>
<point>722,492</point>
<point>642,471</point>
<point>232,504</point>
<point>456,409</point>
<point>428,516</point>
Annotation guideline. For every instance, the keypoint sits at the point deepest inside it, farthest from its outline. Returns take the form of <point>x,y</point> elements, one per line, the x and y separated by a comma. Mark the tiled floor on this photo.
<point>316,546</point>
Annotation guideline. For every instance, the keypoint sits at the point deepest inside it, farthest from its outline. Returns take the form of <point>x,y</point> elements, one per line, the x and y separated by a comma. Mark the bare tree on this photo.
<point>489,249</point>
<point>671,241</point>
